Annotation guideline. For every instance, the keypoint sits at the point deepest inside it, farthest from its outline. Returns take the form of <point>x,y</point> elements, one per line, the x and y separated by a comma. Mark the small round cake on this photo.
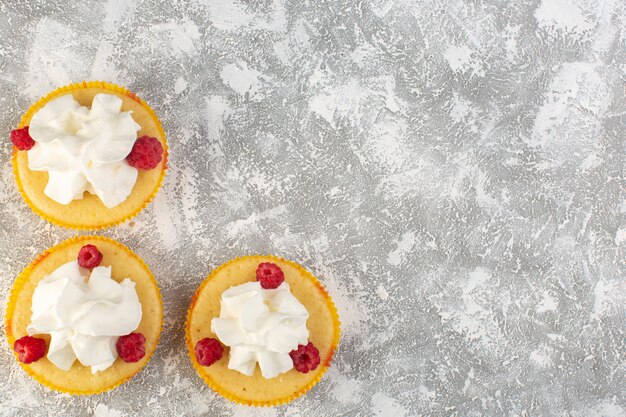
<point>261,330</point>
<point>89,155</point>
<point>84,316</point>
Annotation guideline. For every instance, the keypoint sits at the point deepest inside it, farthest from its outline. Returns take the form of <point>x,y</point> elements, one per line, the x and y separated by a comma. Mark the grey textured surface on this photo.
<point>452,171</point>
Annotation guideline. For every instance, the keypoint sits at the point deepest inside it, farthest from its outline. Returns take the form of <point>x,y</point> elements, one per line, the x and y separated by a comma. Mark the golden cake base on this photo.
<point>124,264</point>
<point>323,325</point>
<point>90,213</point>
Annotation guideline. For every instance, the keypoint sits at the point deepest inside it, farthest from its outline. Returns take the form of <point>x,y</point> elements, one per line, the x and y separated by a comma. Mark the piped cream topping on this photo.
<point>84,313</point>
<point>84,149</point>
<point>261,326</point>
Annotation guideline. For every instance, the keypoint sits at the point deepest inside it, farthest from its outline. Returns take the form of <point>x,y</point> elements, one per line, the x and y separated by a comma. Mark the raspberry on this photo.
<point>146,153</point>
<point>30,349</point>
<point>269,275</point>
<point>306,358</point>
<point>208,351</point>
<point>89,256</point>
<point>21,139</point>
<point>130,347</point>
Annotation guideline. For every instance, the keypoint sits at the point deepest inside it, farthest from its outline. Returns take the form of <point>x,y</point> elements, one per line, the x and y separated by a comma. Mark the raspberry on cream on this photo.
<point>261,326</point>
<point>84,149</point>
<point>84,312</point>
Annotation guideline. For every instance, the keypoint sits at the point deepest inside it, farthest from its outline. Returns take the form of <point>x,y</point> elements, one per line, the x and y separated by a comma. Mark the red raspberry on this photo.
<point>269,275</point>
<point>306,358</point>
<point>208,351</point>
<point>89,256</point>
<point>130,347</point>
<point>146,153</point>
<point>30,349</point>
<point>21,139</point>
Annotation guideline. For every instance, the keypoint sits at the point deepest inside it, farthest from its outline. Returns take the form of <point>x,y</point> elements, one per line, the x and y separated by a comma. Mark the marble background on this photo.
<point>452,171</point>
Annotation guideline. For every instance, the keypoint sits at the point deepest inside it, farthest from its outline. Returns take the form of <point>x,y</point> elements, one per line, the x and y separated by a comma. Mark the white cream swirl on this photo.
<point>261,326</point>
<point>84,315</point>
<point>84,149</point>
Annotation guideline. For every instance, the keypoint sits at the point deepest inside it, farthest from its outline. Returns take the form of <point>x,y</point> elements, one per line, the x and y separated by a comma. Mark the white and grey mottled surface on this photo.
<point>452,171</point>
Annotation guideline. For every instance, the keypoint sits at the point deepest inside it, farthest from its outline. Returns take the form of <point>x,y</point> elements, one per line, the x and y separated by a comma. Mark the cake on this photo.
<point>261,330</point>
<point>89,155</point>
<point>85,316</point>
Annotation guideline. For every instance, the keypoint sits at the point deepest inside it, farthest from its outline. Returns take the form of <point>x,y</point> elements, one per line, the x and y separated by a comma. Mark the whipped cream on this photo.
<point>84,315</point>
<point>261,326</point>
<point>84,149</point>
